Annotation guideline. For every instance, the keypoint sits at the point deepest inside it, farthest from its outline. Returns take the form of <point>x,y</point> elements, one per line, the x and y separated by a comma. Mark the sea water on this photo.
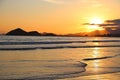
<point>53,58</point>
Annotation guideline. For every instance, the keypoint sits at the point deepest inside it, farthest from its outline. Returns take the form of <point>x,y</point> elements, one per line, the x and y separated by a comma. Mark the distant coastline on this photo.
<point>96,33</point>
<point>21,32</point>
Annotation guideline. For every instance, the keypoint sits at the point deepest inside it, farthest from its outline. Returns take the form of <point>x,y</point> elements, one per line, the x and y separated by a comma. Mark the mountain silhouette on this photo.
<point>17,31</point>
<point>21,32</point>
<point>34,33</point>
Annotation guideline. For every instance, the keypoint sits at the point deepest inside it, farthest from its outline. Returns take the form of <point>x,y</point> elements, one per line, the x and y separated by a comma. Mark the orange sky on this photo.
<point>57,16</point>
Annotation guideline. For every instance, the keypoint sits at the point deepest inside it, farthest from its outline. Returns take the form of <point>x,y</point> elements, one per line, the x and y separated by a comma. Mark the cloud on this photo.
<point>112,23</point>
<point>55,1</point>
<point>116,21</point>
<point>111,26</point>
<point>92,3</point>
<point>107,23</point>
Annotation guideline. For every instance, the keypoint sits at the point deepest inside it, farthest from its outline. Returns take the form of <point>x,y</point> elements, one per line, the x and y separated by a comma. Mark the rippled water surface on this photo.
<point>53,58</point>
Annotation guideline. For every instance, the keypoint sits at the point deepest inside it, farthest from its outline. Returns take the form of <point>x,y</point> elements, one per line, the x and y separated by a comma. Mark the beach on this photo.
<point>59,58</point>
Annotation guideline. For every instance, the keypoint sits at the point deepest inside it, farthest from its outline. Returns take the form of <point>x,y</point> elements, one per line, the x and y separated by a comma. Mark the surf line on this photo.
<point>98,58</point>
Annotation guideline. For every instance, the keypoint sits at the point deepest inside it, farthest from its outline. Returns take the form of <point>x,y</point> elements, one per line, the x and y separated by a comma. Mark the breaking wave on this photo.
<point>45,70</point>
<point>50,47</point>
<point>99,58</point>
<point>32,43</point>
<point>54,42</point>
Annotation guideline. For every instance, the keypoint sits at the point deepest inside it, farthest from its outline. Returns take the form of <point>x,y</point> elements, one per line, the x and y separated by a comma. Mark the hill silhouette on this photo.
<point>34,33</point>
<point>21,32</point>
<point>17,31</point>
<point>98,33</point>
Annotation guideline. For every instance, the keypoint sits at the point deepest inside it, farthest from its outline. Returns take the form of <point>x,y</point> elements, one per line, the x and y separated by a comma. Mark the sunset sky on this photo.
<point>57,16</point>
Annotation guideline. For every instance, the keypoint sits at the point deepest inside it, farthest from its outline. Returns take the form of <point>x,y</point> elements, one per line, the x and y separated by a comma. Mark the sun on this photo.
<point>95,21</point>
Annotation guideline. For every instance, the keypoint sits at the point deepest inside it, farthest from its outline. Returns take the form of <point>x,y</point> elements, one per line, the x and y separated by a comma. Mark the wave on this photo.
<point>54,42</point>
<point>102,70</point>
<point>50,71</point>
<point>18,48</point>
<point>55,76</point>
<point>65,60</point>
<point>53,47</point>
<point>89,72</point>
<point>29,43</point>
<point>67,68</point>
<point>99,58</point>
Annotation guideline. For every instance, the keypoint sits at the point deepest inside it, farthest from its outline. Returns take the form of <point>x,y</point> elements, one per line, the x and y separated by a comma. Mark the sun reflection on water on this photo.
<point>96,53</point>
<point>96,43</point>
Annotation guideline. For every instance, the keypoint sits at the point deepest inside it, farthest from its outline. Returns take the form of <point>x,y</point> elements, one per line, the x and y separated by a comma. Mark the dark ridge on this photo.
<point>17,31</point>
<point>48,34</point>
<point>34,33</point>
<point>21,32</point>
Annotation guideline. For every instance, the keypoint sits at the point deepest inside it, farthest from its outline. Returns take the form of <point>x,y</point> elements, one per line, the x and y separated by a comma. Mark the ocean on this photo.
<point>59,58</point>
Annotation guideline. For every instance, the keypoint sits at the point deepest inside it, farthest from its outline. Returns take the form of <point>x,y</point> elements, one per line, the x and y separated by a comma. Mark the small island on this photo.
<point>21,32</point>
